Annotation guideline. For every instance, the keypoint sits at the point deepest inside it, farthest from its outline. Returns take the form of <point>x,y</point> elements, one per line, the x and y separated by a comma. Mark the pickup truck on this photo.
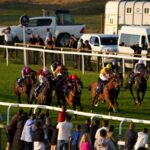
<point>101,43</point>
<point>60,25</point>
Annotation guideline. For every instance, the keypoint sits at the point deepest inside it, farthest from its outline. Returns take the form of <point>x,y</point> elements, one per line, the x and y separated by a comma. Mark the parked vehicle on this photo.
<point>101,43</point>
<point>133,38</point>
<point>61,26</point>
<point>125,12</point>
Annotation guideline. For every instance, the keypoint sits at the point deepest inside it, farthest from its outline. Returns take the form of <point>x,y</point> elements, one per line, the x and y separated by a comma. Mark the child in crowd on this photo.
<point>75,137</point>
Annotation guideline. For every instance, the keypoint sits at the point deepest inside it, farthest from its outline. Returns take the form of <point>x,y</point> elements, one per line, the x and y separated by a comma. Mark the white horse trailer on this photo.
<point>124,12</point>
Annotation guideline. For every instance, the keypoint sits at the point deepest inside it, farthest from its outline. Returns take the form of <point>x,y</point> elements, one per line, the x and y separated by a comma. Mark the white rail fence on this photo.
<point>86,114</point>
<point>63,53</point>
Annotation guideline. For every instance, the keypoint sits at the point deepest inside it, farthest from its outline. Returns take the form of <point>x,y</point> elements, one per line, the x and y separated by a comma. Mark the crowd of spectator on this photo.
<point>36,132</point>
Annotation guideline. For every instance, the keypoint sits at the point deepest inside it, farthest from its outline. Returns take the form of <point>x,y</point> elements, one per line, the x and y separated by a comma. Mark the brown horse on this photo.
<point>73,97</point>
<point>140,85</point>
<point>44,97</point>
<point>25,88</point>
<point>109,94</point>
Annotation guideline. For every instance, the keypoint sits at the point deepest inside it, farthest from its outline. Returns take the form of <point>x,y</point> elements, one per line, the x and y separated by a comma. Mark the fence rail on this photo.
<point>63,53</point>
<point>86,114</point>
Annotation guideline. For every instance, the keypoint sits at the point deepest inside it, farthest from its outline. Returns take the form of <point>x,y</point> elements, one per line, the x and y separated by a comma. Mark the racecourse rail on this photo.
<point>91,115</point>
<point>63,53</point>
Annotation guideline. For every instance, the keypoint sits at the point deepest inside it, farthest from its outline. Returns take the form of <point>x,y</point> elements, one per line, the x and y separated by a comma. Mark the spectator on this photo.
<point>73,44</point>
<point>85,142</point>
<point>53,141</point>
<point>88,49</point>
<point>11,129</point>
<point>62,114</point>
<point>38,137</point>
<point>8,39</point>
<point>80,48</point>
<point>103,143</point>
<point>27,133</point>
<point>130,137</point>
<point>50,44</point>
<point>85,128</point>
<point>48,35</point>
<point>94,127</point>
<point>39,40</point>
<point>17,143</point>
<point>64,133</point>
<point>110,134</point>
<point>49,132</point>
<point>105,127</point>
<point>32,39</point>
<point>142,139</point>
<point>75,137</point>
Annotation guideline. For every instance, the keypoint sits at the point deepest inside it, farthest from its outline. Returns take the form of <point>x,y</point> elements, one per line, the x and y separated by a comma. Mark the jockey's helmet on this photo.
<point>108,66</point>
<point>74,77</point>
<point>27,70</point>
<point>140,62</point>
<point>45,70</point>
<point>58,63</point>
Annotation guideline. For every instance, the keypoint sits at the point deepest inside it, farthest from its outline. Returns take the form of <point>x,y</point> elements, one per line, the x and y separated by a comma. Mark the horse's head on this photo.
<point>116,81</point>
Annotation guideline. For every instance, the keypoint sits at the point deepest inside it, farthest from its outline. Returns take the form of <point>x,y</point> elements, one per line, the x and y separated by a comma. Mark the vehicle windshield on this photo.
<point>109,40</point>
<point>129,39</point>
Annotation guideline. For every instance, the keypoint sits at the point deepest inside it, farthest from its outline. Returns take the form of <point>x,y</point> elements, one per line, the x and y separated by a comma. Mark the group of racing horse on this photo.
<point>56,90</point>
<point>68,89</point>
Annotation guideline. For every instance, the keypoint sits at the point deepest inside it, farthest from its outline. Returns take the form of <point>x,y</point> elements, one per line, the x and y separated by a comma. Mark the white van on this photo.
<point>101,42</point>
<point>130,36</point>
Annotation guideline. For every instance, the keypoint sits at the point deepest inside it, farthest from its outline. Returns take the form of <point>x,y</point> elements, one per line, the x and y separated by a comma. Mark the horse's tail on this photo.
<point>89,87</point>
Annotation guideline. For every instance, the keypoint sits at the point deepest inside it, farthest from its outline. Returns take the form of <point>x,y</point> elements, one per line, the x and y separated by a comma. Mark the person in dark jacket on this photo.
<point>94,127</point>
<point>38,137</point>
<point>130,137</point>
<point>17,143</point>
<point>11,129</point>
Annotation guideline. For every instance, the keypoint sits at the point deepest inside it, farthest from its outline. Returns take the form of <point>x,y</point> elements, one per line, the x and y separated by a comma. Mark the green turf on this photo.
<point>87,13</point>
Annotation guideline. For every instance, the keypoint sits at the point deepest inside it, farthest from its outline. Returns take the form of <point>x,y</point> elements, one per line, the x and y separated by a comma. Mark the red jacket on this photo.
<point>61,116</point>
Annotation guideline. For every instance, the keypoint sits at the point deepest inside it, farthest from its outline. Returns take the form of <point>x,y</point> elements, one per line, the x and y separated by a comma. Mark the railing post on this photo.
<point>7,56</point>
<point>123,67</point>
<point>83,64</point>
<point>44,58</point>
<point>63,57</point>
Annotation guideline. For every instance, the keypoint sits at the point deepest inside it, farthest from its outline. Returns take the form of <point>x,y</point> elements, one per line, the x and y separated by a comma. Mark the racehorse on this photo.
<point>110,93</point>
<point>44,97</point>
<point>140,85</point>
<point>73,96</point>
<point>26,86</point>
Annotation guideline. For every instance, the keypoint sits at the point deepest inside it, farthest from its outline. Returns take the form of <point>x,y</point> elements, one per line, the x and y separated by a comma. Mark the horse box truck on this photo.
<point>126,12</point>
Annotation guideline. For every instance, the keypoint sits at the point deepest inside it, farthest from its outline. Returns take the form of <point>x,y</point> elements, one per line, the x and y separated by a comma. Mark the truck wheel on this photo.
<point>63,40</point>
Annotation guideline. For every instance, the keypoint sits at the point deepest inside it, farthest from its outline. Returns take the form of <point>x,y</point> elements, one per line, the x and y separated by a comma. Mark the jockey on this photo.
<point>54,66</point>
<point>115,66</point>
<point>25,72</point>
<point>103,78</point>
<point>43,75</point>
<point>139,67</point>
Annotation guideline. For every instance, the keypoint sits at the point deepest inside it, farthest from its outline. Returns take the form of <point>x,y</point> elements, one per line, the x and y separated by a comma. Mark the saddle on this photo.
<point>100,86</point>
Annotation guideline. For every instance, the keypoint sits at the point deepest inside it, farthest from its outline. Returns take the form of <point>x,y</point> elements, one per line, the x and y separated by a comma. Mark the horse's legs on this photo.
<point>131,92</point>
<point>111,106</point>
<point>93,102</point>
